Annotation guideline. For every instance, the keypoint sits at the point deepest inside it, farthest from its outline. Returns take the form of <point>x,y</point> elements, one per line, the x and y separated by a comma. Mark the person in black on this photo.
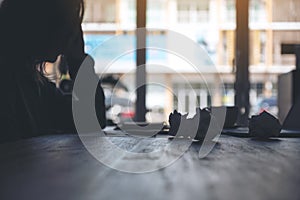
<point>34,32</point>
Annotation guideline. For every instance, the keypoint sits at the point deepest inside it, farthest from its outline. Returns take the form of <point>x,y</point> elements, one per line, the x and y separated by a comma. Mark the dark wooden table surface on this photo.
<point>59,167</point>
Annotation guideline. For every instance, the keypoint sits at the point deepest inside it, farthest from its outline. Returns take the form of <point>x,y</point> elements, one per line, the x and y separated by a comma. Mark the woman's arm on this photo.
<point>75,56</point>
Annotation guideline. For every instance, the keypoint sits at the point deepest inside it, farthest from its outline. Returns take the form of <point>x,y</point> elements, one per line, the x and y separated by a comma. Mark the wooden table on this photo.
<point>59,167</point>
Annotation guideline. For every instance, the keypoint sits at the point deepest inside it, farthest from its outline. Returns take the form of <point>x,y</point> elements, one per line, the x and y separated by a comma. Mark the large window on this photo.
<point>211,24</point>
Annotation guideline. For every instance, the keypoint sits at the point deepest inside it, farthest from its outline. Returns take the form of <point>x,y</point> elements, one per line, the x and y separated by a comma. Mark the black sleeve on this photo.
<point>56,109</point>
<point>60,105</point>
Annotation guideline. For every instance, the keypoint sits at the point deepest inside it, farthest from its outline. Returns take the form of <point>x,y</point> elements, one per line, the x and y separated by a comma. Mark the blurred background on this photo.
<point>211,24</point>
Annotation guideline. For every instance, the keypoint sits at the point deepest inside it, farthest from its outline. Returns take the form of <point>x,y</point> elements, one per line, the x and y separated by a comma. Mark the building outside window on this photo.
<point>192,11</point>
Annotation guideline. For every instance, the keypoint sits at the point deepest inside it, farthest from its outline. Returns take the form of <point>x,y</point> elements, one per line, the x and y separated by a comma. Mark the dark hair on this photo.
<point>29,27</point>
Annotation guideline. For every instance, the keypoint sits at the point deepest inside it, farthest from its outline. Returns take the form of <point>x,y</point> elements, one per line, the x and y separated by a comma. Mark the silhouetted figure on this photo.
<point>34,32</point>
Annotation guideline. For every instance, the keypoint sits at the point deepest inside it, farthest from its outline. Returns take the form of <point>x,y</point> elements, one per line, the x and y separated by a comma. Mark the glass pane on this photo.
<point>272,24</point>
<point>108,29</point>
<point>211,25</point>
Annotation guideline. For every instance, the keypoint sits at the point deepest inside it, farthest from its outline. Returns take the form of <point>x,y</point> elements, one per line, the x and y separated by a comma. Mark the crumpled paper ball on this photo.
<point>196,127</point>
<point>264,125</point>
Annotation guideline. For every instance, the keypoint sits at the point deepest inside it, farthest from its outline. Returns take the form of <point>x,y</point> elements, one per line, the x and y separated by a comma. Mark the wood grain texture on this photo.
<point>59,167</point>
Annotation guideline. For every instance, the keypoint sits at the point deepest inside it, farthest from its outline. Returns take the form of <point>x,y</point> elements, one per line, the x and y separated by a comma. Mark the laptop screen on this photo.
<point>292,121</point>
